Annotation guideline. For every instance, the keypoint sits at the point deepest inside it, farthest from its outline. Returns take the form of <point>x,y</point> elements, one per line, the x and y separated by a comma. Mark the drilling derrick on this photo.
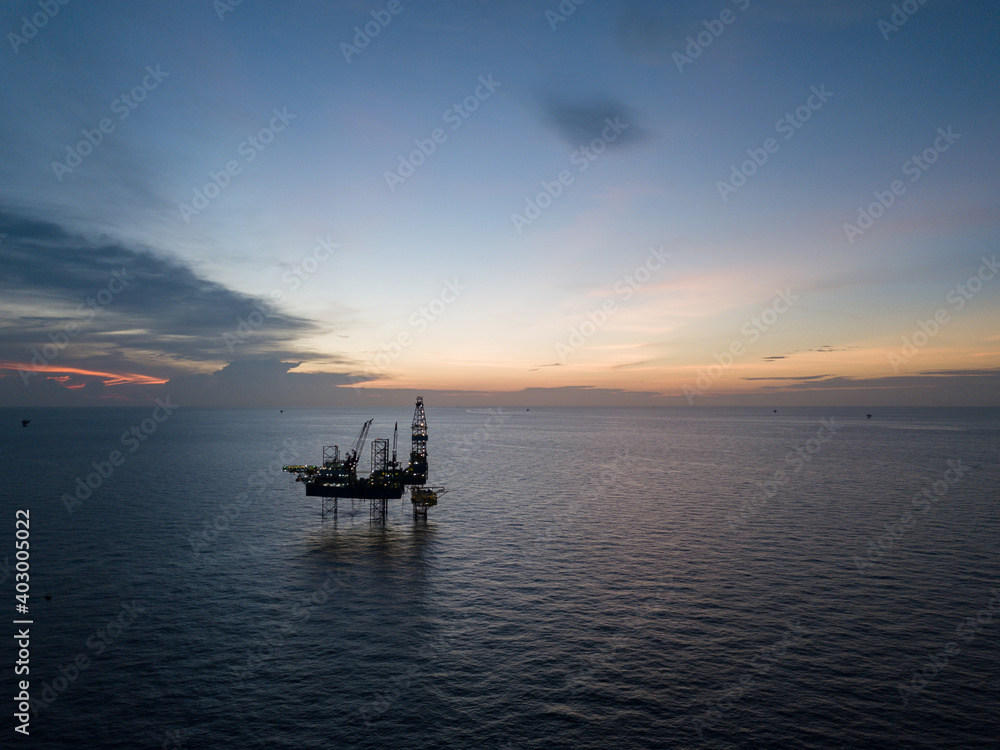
<point>417,472</point>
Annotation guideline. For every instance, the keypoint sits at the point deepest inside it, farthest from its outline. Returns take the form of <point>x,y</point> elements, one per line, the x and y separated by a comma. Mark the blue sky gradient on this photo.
<point>685,124</point>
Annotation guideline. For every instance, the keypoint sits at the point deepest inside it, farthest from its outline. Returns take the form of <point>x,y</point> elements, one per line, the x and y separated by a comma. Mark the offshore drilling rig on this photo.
<point>338,475</point>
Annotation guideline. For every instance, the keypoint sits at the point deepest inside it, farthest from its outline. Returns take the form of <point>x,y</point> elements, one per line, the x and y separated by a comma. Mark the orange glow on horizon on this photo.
<point>111,378</point>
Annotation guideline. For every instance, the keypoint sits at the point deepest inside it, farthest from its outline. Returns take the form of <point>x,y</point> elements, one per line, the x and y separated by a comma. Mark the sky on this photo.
<point>726,202</point>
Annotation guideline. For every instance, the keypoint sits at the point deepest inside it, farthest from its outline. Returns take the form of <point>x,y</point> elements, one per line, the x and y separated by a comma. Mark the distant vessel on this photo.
<point>338,476</point>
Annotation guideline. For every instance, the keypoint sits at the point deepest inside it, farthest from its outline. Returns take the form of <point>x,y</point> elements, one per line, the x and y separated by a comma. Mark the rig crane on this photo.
<point>351,459</point>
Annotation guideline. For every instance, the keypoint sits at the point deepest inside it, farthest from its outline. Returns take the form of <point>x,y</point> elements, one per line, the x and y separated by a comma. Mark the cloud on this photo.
<point>128,307</point>
<point>825,349</point>
<point>976,373</point>
<point>937,379</point>
<point>261,382</point>
<point>945,388</point>
<point>798,378</point>
<point>580,122</point>
<point>628,365</point>
<point>48,392</point>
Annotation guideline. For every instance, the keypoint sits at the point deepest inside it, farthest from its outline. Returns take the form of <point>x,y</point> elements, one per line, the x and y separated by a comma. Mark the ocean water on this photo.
<point>595,578</point>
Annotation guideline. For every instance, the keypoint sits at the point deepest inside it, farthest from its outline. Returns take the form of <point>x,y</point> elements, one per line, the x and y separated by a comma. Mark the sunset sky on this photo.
<point>282,207</point>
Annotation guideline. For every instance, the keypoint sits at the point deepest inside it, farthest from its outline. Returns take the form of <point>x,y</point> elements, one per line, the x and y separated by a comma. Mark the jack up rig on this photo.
<point>338,476</point>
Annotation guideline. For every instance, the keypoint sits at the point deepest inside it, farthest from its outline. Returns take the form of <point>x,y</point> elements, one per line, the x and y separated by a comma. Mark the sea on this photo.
<point>593,578</point>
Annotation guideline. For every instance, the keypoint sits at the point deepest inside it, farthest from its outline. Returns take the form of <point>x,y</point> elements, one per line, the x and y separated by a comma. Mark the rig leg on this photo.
<point>378,509</point>
<point>325,506</point>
